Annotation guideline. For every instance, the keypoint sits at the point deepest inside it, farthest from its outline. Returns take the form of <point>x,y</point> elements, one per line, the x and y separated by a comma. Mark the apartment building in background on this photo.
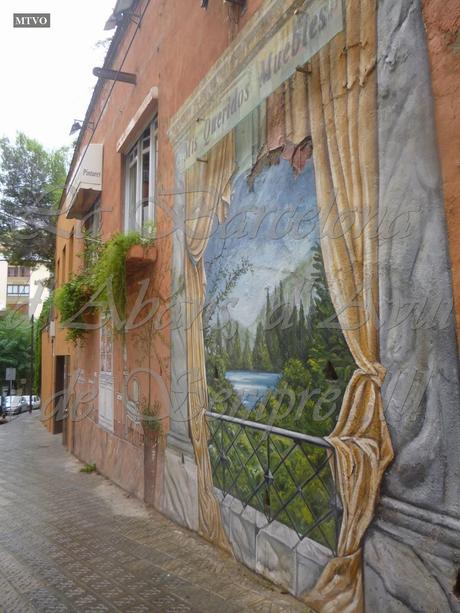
<point>23,289</point>
<point>297,160</point>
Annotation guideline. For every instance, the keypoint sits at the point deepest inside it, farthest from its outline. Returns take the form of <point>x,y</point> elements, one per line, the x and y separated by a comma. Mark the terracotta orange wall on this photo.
<point>174,48</point>
<point>46,391</point>
<point>442,23</point>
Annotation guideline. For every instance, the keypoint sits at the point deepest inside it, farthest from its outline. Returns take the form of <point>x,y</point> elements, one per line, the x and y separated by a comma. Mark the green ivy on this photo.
<point>88,468</point>
<point>101,284</point>
<point>72,300</point>
<point>109,272</point>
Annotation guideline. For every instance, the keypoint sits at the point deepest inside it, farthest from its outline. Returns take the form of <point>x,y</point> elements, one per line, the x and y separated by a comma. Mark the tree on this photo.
<point>15,344</point>
<point>247,354</point>
<point>31,183</point>
<point>260,356</point>
<point>235,355</point>
<point>271,332</point>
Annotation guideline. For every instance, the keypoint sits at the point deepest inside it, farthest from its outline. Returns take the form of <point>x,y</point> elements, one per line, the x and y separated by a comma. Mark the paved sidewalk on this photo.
<point>71,541</point>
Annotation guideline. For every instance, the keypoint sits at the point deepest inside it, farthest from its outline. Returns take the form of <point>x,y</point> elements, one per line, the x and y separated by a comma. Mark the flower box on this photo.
<point>140,256</point>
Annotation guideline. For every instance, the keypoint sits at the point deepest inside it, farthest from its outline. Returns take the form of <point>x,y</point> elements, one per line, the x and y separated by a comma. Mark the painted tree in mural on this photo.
<point>310,352</point>
<point>317,366</point>
<point>307,349</point>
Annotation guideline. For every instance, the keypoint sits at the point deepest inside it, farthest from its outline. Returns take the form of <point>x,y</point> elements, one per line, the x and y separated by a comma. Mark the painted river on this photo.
<point>252,386</point>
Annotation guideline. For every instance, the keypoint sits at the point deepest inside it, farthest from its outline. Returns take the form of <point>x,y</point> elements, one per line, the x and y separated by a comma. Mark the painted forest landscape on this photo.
<point>275,352</point>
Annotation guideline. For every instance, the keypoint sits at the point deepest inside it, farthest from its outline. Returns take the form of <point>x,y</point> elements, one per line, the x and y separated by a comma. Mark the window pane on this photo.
<point>132,196</point>
<point>145,186</point>
<point>93,219</point>
<point>106,349</point>
<point>139,181</point>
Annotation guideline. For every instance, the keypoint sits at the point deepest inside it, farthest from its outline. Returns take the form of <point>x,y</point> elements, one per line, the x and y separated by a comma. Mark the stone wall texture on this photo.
<point>412,550</point>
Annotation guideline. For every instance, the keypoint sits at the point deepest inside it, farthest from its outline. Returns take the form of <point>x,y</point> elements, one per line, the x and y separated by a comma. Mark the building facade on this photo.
<point>283,375</point>
<point>22,289</point>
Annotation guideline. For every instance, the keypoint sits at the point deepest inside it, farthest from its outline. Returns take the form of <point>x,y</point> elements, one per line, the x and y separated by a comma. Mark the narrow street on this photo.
<point>71,541</point>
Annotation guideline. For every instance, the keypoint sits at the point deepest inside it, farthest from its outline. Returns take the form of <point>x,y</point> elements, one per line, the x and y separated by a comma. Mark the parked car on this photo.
<point>35,403</point>
<point>15,404</point>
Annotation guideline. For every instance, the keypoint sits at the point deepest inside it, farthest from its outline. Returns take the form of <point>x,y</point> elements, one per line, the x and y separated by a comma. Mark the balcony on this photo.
<point>286,477</point>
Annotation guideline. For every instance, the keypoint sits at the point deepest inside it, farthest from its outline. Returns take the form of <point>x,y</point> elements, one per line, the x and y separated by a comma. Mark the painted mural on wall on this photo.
<point>275,352</point>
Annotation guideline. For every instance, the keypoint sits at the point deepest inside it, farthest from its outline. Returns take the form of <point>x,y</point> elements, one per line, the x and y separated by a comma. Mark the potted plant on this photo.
<point>144,252</point>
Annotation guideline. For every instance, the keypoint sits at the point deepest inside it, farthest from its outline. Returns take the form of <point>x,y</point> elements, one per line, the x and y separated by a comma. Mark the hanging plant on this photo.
<point>103,280</point>
<point>150,419</point>
<point>109,272</point>
<point>72,300</point>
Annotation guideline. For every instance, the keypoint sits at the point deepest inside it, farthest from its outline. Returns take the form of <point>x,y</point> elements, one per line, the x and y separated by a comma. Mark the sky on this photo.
<point>47,78</point>
<point>275,247</point>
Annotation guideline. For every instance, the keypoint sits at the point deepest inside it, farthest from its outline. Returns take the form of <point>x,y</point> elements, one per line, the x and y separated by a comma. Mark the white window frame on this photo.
<point>134,158</point>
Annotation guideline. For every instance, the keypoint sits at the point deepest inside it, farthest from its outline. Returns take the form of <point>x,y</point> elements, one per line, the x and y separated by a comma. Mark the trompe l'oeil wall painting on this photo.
<point>287,295</point>
<point>275,353</point>
<point>269,324</point>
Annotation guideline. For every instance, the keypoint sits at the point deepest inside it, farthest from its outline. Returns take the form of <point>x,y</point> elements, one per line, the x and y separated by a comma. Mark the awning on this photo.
<point>86,185</point>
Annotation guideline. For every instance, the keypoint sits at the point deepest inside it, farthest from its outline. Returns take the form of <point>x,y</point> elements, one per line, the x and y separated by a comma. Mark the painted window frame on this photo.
<point>106,404</point>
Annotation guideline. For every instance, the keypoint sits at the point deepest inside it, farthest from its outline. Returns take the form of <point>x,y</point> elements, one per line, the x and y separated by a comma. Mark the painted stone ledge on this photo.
<point>273,550</point>
<point>180,493</point>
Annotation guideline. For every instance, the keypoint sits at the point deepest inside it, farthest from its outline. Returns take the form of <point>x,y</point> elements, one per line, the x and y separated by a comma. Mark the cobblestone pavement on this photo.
<point>71,541</point>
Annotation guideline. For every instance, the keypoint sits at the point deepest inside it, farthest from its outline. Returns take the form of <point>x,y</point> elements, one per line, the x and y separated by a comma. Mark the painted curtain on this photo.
<point>208,185</point>
<point>342,90</point>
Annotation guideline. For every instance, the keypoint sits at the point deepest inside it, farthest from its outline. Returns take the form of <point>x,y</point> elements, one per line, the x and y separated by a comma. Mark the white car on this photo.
<point>13,405</point>
<point>35,403</point>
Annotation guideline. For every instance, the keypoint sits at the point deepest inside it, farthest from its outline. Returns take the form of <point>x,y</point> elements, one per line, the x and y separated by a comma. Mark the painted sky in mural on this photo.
<point>271,224</point>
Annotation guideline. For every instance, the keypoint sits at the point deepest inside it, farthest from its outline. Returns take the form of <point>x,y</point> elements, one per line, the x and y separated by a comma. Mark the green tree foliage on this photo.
<point>246,363</point>
<point>235,355</point>
<point>31,183</point>
<point>317,370</point>
<point>222,286</point>
<point>15,344</point>
<point>219,339</point>
<point>260,355</point>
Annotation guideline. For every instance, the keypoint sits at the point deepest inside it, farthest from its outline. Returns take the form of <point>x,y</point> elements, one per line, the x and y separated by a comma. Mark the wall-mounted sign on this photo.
<point>311,27</point>
<point>86,184</point>
<point>10,374</point>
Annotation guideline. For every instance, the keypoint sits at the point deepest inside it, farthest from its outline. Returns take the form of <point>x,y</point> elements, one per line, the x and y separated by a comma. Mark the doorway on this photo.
<point>61,396</point>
